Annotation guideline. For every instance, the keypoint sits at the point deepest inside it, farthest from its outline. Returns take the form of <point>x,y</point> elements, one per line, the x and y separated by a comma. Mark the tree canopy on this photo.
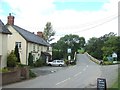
<point>103,46</point>
<point>69,41</point>
<point>99,48</point>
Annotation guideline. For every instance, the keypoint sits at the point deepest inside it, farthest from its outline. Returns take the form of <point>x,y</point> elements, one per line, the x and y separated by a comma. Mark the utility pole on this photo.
<point>119,18</point>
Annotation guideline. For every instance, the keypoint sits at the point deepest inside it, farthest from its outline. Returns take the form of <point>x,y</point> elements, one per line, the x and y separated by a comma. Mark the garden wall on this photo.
<point>10,77</point>
<point>14,75</point>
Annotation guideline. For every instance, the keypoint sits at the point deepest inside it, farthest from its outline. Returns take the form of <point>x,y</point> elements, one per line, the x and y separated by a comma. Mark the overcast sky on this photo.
<point>87,18</point>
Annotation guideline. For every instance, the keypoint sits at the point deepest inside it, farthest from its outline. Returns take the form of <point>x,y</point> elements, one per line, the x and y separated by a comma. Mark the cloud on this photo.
<point>34,14</point>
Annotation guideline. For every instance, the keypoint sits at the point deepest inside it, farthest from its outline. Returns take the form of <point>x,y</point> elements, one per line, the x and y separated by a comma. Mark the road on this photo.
<point>82,75</point>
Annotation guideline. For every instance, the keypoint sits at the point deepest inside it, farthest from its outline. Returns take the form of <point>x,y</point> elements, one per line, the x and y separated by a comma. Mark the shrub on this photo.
<point>107,63</point>
<point>105,58</point>
<point>21,65</point>
<point>5,69</point>
<point>30,59</point>
<point>17,53</point>
<point>32,74</point>
<point>11,60</point>
<point>67,62</point>
<point>39,63</point>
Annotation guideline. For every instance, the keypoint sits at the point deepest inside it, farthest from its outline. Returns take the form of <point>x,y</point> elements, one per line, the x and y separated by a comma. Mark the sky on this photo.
<point>86,18</point>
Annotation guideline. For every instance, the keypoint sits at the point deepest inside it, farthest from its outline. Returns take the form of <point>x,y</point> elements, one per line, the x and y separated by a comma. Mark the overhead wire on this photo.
<point>94,24</point>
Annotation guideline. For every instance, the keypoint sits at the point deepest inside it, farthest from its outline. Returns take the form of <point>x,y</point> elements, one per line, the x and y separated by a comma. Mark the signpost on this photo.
<point>69,51</point>
<point>101,84</point>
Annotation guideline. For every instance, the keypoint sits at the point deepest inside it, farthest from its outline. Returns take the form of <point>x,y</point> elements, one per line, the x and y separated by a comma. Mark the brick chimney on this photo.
<point>40,34</point>
<point>10,19</point>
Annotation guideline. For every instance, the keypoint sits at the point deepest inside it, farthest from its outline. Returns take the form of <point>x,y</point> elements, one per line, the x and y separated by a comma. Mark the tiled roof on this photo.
<point>3,28</point>
<point>30,37</point>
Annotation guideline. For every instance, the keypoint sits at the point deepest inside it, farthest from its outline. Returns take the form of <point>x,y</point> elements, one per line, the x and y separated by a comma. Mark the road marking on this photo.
<point>84,69</point>
<point>77,74</point>
<point>63,81</point>
<point>87,66</point>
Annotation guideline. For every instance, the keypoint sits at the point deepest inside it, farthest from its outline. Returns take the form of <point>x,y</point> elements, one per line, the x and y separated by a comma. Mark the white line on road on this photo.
<point>77,74</point>
<point>87,66</point>
<point>63,81</point>
<point>84,69</point>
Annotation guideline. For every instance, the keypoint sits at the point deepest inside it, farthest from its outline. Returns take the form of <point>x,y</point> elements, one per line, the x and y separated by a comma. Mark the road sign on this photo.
<point>101,84</point>
<point>69,50</point>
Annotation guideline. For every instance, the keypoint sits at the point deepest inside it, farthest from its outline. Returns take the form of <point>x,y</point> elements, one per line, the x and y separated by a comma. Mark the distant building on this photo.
<point>3,44</point>
<point>27,42</point>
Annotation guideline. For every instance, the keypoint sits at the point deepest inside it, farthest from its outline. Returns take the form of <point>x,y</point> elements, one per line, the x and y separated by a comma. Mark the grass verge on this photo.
<point>117,83</point>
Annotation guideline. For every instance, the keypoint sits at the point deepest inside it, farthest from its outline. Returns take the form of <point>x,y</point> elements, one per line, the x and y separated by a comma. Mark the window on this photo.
<point>47,48</point>
<point>38,47</point>
<point>18,44</point>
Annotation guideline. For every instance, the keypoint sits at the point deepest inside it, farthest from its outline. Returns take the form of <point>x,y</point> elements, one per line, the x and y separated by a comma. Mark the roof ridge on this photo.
<point>29,36</point>
<point>24,29</point>
<point>28,31</point>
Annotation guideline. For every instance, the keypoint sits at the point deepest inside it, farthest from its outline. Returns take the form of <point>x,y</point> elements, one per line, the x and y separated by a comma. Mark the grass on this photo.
<point>117,83</point>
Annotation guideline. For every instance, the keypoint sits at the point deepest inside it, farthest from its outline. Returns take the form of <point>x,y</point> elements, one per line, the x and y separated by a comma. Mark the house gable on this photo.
<point>14,39</point>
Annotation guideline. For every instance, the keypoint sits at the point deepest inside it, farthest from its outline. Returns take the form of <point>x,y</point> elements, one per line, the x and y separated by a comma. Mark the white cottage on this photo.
<point>3,44</point>
<point>27,42</point>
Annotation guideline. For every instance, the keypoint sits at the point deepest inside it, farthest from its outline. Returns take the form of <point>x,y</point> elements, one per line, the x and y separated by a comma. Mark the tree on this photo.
<point>98,47</point>
<point>69,41</point>
<point>92,47</point>
<point>17,53</point>
<point>110,46</point>
<point>48,32</point>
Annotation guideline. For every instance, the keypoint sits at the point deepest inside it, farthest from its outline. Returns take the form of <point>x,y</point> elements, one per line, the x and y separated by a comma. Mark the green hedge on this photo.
<point>107,63</point>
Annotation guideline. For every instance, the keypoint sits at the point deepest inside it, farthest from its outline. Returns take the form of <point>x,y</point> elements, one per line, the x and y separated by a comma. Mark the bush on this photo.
<point>32,74</point>
<point>107,63</point>
<point>105,58</point>
<point>30,59</point>
<point>39,63</point>
<point>5,69</point>
<point>16,52</point>
<point>21,65</point>
<point>11,60</point>
<point>67,62</point>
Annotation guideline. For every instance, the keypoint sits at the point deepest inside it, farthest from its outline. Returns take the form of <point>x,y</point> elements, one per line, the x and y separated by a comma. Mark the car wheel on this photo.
<point>49,65</point>
<point>60,65</point>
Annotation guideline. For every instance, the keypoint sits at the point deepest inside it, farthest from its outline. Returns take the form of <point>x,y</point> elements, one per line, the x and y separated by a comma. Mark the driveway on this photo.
<point>46,70</point>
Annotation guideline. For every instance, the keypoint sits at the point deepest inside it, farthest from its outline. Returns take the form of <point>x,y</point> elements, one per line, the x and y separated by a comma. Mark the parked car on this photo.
<point>56,63</point>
